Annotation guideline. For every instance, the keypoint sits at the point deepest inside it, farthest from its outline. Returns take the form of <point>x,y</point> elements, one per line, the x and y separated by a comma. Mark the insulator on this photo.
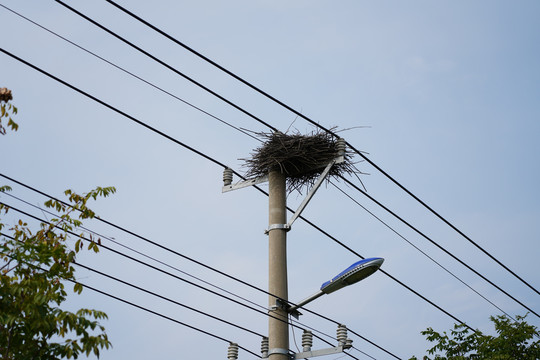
<point>341,146</point>
<point>342,335</point>
<point>227,176</point>
<point>307,340</point>
<point>264,347</point>
<point>348,344</point>
<point>232,353</point>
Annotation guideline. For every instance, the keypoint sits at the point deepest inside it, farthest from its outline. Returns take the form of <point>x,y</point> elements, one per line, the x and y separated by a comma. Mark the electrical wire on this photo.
<point>163,91</point>
<point>167,65</point>
<point>168,299</point>
<point>387,274</point>
<point>360,153</point>
<point>437,245</point>
<point>187,258</point>
<point>133,119</point>
<point>302,326</point>
<point>162,271</point>
<point>144,308</point>
<point>298,349</point>
<point>140,252</point>
<point>215,162</point>
<point>144,52</point>
<point>141,262</point>
<point>131,73</point>
<point>421,251</point>
<point>240,130</point>
<point>155,294</point>
<point>220,164</point>
<point>113,108</point>
<point>165,317</point>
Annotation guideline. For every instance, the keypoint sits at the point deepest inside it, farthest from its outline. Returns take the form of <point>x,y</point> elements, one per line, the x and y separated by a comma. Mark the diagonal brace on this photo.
<point>312,191</point>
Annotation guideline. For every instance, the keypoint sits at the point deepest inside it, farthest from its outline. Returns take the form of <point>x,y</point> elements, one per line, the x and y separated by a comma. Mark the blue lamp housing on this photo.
<point>354,273</point>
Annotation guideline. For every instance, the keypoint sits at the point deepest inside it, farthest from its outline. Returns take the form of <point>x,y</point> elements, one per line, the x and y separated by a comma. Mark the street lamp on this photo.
<point>351,275</point>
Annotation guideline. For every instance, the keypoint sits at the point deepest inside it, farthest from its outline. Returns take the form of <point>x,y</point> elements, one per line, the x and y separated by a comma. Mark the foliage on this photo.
<point>34,267</point>
<point>7,110</point>
<point>514,340</point>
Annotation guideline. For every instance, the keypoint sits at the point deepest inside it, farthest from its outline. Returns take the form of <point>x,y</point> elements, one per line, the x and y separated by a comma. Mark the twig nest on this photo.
<point>302,158</point>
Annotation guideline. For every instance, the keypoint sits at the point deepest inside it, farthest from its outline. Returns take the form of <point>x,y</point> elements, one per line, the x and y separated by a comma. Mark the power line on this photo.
<point>173,301</point>
<point>167,66</point>
<point>194,261</point>
<point>386,273</point>
<point>439,246</point>
<point>164,316</point>
<point>196,151</point>
<point>265,94</point>
<point>168,265</point>
<point>155,294</point>
<point>125,113</point>
<point>188,258</point>
<point>175,276</point>
<point>421,251</point>
<point>117,36</point>
<point>139,306</point>
<point>114,109</point>
<point>131,73</point>
<point>137,251</point>
<point>218,163</point>
<point>168,299</point>
<point>141,262</point>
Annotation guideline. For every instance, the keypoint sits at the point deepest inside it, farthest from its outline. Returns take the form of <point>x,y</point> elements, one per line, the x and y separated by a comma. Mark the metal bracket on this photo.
<point>277,227</point>
<point>263,179</point>
<point>280,352</point>
<point>315,187</point>
<point>284,305</point>
<point>280,304</point>
<point>304,203</point>
<point>243,184</point>
<point>329,351</point>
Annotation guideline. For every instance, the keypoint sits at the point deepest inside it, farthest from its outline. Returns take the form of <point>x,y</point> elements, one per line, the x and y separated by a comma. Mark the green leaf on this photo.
<point>78,288</point>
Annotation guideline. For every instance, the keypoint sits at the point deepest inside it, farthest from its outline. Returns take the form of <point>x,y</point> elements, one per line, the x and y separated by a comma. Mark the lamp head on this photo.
<point>354,273</point>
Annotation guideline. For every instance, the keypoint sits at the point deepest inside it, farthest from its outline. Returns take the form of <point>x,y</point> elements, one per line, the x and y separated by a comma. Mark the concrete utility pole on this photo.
<point>278,331</point>
<point>276,346</point>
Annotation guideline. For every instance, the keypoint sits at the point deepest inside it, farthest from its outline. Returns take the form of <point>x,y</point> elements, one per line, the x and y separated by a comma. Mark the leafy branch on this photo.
<point>7,110</point>
<point>33,267</point>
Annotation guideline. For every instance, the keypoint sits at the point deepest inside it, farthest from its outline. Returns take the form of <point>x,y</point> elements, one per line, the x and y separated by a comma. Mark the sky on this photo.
<point>443,96</point>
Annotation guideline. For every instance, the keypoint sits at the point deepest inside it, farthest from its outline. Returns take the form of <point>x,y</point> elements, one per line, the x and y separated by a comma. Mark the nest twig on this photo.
<point>302,158</point>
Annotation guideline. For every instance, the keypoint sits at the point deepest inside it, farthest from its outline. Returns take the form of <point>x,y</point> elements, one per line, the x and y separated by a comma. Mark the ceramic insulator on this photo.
<point>227,176</point>
<point>264,347</point>
<point>341,145</point>
<point>307,340</point>
<point>342,334</point>
<point>232,354</point>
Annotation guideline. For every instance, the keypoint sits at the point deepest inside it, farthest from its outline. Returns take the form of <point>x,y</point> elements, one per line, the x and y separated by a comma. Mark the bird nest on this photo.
<point>302,158</point>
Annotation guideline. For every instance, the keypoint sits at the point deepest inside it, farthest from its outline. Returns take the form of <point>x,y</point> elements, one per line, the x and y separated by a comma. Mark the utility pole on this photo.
<point>328,154</point>
<point>278,329</point>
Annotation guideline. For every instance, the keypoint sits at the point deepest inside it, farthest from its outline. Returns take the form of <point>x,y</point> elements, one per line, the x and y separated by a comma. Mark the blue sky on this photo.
<point>447,97</point>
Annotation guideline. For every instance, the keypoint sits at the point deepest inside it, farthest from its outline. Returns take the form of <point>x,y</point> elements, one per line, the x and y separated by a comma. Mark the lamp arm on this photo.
<point>305,301</point>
